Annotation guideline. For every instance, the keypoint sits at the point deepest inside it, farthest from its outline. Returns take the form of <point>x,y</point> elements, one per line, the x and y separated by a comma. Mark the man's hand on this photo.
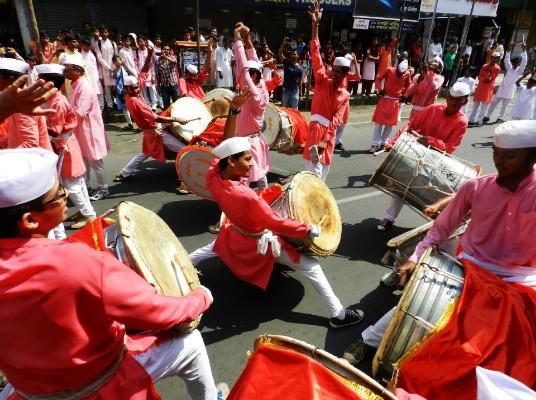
<point>322,146</point>
<point>14,99</point>
<point>405,271</point>
<point>315,12</point>
<point>431,211</point>
<point>240,98</point>
<point>181,121</point>
<point>424,141</point>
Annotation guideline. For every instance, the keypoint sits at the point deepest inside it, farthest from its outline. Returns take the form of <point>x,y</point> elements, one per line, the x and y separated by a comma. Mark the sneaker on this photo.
<point>390,279</point>
<point>214,229</point>
<point>223,391</point>
<point>340,147</point>
<point>385,225</point>
<point>485,120</point>
<point>80,223</point>
<point>119,177</point>
<point>75,217</point>
<point>351,317</point>
<point>99,195</point>
<point>373,149</point>
<point>356,352</point>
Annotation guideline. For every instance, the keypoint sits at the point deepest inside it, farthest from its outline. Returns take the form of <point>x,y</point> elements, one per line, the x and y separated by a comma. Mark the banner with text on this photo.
<point>483,8</point>
<point>291,5</point>
<point>388,9</point>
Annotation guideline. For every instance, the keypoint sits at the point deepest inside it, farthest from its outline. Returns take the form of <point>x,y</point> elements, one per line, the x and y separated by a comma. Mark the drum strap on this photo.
<point>61,150</point>
<point>320,119</point>
<point>245,233</point>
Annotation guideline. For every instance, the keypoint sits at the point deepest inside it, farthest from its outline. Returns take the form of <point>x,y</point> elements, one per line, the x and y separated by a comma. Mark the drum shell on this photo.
<point>192,165</point>
<point>272,125</point>
<point>192,109</point>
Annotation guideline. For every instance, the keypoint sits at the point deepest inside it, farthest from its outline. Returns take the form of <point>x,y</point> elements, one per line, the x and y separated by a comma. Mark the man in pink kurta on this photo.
<point>90,128</point>
<point>26,131</point>
<point>65,305</point>
<point>424,88</point>
<point>484,90</point>
<point>250,241</point>
<point>250,121</point>
<point>385,117</point>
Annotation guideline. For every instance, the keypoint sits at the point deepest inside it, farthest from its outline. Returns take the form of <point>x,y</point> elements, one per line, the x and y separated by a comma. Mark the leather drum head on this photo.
<point>156,253</point>
<point>192,167</point>
<point>312,202</point>
<point>215,102</point>
<point>272,122</point>
<point>190,108</point>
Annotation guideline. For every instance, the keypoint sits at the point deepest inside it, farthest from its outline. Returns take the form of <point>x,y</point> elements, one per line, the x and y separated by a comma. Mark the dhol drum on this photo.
<point>215,102</point>
<point>425,307</point>
<point>192,166</point>
<point>421,175</point>
<point>307,199</point>
<point>323,373</point>
<point>141,240</point>
<point>193,110</point>
<point>285,129</point>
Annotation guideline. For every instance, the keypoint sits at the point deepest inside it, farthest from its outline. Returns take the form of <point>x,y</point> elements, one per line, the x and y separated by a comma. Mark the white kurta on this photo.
<point>92,70</point>
<point>105,53</point>
<point>128,61</point>
<point>523,107</point>
<point>223,64</point>
<point>141,57</point>
<point>508,85</point>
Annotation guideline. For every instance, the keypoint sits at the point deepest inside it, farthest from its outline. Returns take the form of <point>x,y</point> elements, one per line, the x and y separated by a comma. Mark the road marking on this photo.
<point>359,197</point>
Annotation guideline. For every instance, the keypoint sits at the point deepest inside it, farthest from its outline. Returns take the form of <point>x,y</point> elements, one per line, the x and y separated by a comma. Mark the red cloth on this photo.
<point>386,111</point>
<point>193,89</point>
<point>274,374</point>
<point>239,251</point>
<point>444,132</point>
<point>92,234</point>
<point>3,134</point>
<point>25,131</point>
<point>486,82</point>
<point>72,299</point>
<point>493,326</point>
<point>213,134</point>
<point>300,126</point>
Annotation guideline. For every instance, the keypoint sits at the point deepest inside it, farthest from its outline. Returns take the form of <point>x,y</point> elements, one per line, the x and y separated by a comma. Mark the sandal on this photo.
<point>120,177</point>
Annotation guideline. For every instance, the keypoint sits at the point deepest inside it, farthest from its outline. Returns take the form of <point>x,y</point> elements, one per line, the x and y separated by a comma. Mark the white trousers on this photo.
<point>184,356</point>
<point>381,134</point>
<point>321,170</point>
<point>494,103</point>
<point>170,142</point>
<point>79,196</point>
<point>374,333</point>
<point>126,114</point>
<point>101,101</point>
<point>339,133</point>
<point>394,209</point>
<point>98,167</point>
<point>58,233</point>
<point>150,96</point>
<point>307,266</point>
<point>464,108</point>
<point>108,96</point>
<point>474,111</point>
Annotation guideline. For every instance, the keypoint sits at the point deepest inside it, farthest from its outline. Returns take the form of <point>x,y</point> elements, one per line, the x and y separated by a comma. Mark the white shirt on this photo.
<point>470,81</point>
<point>523,107</point>
<point>436,49</point>
<point>128,61</point>
<point>223,64</point>
<point>105,52</point>
<point>468,50</point>
<point>508,85</point>
<point>92,70</point>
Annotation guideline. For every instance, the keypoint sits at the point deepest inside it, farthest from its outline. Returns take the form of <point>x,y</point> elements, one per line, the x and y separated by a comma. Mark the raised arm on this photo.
<point>242,64</point>
<point>235,103</point>
<point>315,13</point>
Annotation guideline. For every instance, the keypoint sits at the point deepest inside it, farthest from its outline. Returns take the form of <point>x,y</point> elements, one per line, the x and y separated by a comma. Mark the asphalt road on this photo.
<point>289,306</point>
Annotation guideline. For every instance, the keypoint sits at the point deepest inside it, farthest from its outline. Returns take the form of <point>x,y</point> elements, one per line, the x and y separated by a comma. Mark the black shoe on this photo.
<point>385,225</point>
<point>499,121</point>
<point>340,147</point>
<point>356,352</point>
<point>485,120</point>
<point>351,317</point>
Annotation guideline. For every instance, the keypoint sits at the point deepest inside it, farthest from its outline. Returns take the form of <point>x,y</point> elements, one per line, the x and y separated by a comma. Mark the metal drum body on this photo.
<point>191,109</point>
<point>215,102</point>
<point>307,199</point>
<point>421,175</point>
<point>426,304</point>
<point>192,166</point>
<point>142,241</point>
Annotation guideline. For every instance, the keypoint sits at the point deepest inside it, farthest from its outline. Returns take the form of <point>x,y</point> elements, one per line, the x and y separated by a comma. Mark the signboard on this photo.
<point>387,9</point>
<point>291,23</point>
<point>483,8</point>
<point>383,25</point>
<point>343,6</point>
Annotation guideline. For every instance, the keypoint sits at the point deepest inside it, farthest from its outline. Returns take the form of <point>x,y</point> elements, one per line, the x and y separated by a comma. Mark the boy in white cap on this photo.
<point>525,102</point>
<point>191,84</point>
<point>468,79</point>
<point>484,91</point>
<point>61,125</point>
<point>329,104</point>
<point>514,69</point>
<point>250,243</point>
<point>73,301</point>
<point>441,126</point>
<point>385,117</point>
<point>90,128</point>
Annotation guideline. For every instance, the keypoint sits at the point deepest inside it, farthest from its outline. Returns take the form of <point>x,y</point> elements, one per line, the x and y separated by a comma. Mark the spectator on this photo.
<point>120,73</point>
<point>449,61</point>
<point>92,70</point>
<point>224,71</point>
<point>385,56</point>
<point>166,77</point>
<point>469,80</point>
<point>435,48</point>
<point>416,53</point>
<point>468,49</point>
<point>106,49</point>
<point>266,57</point>
<point>369,67</point>
<point>292,76</point>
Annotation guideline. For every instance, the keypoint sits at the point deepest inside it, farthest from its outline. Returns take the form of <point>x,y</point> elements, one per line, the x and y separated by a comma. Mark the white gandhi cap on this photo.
<point>519,134</point>
<point>130,81</point>
<point>49,69</point>
<point>25,175</point>
<point>252,64</point>
<point>231,146</point>
<point>192,69</point>
<point>12,64</point>
<point>71,60</point>
<point>460,89</point>
<point>341,62</point>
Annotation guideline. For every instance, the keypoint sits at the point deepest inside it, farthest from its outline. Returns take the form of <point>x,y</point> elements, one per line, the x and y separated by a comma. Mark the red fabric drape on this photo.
<point>92,234</point>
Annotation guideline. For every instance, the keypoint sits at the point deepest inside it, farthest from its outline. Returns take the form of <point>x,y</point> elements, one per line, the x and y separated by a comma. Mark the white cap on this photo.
<point>192,69</point>
<point>49,69</point>
<point>520,134</point>
<point>25,175</point>
<point>130,81</point>
<point>12,64</point>
<point>71,60</point>
<point>403,66</point>
<point>231,146</point>
<point>133,35</point>
<point>252,64</point>
<point>496,54</point>
<point>437,60</point>
<point>460,89</point>
<point>348,56</point>
<point>341,62</point>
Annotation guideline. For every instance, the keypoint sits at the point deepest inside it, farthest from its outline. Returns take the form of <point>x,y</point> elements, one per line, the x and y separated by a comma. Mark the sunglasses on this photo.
<point>61,194</point>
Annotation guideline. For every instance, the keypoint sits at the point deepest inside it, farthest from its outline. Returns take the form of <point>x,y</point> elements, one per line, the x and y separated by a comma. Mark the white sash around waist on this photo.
<point>390,98</point>
<point>320,119</point>
<point>418,108</point>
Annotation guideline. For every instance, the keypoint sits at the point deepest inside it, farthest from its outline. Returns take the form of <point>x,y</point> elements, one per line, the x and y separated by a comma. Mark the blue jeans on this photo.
<point>169,93</point>
<point>291,98</point>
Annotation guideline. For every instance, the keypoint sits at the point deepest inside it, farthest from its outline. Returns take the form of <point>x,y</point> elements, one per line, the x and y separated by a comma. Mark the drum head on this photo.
<point>192,167</point>
<point>312,202</point>
<point>215,102</point>
<point>272,122</point>
<point>190,108</point>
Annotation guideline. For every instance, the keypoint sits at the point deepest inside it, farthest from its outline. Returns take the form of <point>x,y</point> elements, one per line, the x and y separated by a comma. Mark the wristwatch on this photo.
<point>233,112</point>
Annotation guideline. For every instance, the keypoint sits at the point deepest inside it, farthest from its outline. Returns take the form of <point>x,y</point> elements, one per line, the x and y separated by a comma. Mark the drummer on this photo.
<point>329,104</point>
<point>250,244</point>
<point>441,126</point>
<point>155,140</point>
<point>500,236</point>
<point>191,84</point>
<point>65,305</point>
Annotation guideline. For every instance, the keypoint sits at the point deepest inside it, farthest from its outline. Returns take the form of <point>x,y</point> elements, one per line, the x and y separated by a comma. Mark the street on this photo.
<point>289,306</point>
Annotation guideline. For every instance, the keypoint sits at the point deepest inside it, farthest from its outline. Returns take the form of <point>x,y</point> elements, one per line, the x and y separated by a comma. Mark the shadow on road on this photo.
<point>350,153</point>
<point>482,145</point>
<point>190,216</point>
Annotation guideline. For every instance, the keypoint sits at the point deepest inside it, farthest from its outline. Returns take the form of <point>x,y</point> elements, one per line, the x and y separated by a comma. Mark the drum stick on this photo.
<point>322,220</point>
<point>210,101</point>
<point>194,119</point>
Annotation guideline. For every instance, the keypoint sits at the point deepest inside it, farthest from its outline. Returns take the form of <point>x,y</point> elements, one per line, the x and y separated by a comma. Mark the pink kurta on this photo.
<point>64,311</point>
<point>24,131</point>
<point>245,209</point>
<point>394,87</point>
<point>502,227</point>
<point>486,82</point>
<point>193,89</point>
<point>90,129</point>
<point>444,132</point>
<point>328,102</point>
<point>424,93</point>
<point>251,118</point>
<point>64,121</point>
